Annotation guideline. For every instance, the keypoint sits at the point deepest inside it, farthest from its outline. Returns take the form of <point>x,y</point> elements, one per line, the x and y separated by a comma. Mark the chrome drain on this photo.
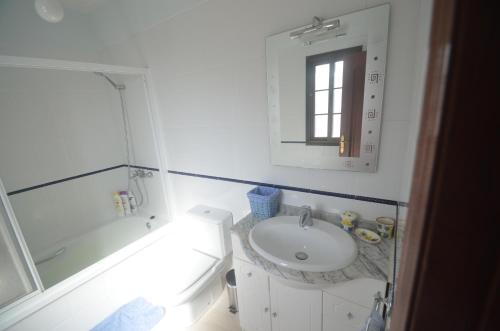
<point>301,256</point>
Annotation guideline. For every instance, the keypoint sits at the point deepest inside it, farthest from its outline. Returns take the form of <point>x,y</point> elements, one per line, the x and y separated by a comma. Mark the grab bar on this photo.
<point>53,256</point>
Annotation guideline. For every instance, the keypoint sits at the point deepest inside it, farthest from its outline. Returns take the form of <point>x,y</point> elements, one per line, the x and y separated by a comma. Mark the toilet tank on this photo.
<point>209,230</point>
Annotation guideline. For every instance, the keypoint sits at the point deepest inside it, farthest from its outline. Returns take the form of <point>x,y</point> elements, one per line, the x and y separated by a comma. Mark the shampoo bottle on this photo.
<point>117,201</point>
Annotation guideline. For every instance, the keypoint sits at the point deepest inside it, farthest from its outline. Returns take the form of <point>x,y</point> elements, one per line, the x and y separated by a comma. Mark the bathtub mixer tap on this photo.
<point>141,173</point>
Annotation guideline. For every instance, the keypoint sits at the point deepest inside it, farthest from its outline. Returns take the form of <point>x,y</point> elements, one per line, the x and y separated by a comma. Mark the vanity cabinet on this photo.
<point>294,309</point>
<point>266,304</point>
<point>346,306</point>
<point>253,297</point>
<point>342,315</point>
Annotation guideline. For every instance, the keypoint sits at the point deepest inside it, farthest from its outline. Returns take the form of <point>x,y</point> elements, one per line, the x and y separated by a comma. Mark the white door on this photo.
<point>253,297</point>
<point>295,309</point>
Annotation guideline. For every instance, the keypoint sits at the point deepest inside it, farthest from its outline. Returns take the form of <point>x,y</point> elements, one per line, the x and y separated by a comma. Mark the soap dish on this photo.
<point>367,235</point>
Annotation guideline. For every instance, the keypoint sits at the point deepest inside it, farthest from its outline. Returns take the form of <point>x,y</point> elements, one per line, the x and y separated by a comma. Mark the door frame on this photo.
<point>450,261</point>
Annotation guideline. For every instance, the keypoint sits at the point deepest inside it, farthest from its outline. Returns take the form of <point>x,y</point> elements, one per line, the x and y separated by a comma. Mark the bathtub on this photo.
<point>71,256</point>
<point>116,263</point>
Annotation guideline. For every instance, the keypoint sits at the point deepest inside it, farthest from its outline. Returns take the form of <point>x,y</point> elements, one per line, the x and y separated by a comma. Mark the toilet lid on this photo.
<point>190,266</point>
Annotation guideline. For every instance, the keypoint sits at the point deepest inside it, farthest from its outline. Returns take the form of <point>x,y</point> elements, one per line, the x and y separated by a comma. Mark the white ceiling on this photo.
<point>117,20</point>
<point>84,6</point>
<point>88,6</point>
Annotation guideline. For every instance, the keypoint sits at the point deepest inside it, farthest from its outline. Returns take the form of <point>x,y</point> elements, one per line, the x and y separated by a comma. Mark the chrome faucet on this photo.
<point>305,217</point>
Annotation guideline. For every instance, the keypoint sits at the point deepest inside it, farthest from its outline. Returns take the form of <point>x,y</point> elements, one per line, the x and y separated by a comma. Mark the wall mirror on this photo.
<point>325,85</point>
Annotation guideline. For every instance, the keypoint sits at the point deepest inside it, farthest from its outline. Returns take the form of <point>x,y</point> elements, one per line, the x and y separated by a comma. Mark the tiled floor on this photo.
<point>217,318</point>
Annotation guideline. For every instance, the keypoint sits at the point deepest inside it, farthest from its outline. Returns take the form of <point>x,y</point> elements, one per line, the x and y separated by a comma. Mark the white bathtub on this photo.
<point>114,265</point>
<point>89,248</point>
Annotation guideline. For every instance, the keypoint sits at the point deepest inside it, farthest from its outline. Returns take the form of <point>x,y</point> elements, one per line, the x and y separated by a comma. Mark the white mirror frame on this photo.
<point>371,26</point>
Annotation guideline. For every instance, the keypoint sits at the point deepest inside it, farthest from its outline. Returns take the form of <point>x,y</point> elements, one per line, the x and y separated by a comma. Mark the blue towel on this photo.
<point>137,315</point>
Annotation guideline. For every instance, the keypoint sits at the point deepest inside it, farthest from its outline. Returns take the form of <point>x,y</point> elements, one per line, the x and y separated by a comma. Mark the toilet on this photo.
<point>200,265</point>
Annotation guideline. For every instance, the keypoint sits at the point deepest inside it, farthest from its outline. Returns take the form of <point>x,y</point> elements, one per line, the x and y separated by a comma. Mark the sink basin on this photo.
<point>319,248</point>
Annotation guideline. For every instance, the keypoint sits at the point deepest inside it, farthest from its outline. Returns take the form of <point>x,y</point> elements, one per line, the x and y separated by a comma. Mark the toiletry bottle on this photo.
<point>132,202</point>
<point>125,202</point>
<point>349,220</point>
<point>117,201</point>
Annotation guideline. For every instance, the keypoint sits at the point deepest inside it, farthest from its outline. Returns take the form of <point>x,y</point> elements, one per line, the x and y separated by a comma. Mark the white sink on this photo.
<point>319,248</point>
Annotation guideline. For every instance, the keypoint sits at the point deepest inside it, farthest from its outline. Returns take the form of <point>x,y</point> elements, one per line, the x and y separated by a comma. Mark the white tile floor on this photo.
<point>217,318</point>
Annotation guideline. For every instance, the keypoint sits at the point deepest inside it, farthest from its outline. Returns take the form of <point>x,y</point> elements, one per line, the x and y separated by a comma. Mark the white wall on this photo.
<point>209,69</point>
<point>53,125</point>
<point>58,124</point>
<point>208,65</point>
<point>143,150</point>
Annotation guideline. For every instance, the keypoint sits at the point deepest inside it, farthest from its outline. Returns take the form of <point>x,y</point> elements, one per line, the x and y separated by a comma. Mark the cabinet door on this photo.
<point>342,315</point>
<point>295,309</point>
<point>253,297</point>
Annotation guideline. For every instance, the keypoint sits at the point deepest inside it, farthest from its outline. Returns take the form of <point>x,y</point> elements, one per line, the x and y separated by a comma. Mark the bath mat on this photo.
<point>137,315</point>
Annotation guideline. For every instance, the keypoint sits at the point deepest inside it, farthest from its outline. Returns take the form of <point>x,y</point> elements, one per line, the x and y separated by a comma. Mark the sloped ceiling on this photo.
<point>116,20</point>
<point>83,6</point>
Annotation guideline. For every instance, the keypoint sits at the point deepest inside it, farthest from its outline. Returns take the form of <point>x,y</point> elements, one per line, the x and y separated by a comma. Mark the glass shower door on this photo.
<point>18,277</point>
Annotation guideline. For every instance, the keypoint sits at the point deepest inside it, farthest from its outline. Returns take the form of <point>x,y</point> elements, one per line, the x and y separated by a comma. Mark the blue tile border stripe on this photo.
<point>296,189</point>
<point>402,204</point>
<point>226,179</point>
<point>142,167</point>
<point>58,181</point>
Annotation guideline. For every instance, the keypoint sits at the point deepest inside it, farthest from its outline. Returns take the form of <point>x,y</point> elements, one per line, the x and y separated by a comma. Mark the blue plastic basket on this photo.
<point>264,201</point>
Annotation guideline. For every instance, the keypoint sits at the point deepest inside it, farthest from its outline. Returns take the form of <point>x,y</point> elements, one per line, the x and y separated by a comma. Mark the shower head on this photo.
<point>115,85</point>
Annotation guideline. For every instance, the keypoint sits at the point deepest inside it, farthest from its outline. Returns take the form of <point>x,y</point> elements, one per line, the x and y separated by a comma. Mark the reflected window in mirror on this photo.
<point>334,99</point>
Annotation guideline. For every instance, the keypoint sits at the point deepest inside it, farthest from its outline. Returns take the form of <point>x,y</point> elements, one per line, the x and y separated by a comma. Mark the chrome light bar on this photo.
<point>318,25</point>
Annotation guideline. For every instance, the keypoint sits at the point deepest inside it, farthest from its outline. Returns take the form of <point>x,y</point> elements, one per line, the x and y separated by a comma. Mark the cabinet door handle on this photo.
<point>350,315</point>
<point>249,274</point>
<point>275,314</point>
<point>266,310</point>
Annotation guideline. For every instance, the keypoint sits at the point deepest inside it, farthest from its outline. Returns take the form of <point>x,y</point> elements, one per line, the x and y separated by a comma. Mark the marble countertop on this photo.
<point>373,261</point>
